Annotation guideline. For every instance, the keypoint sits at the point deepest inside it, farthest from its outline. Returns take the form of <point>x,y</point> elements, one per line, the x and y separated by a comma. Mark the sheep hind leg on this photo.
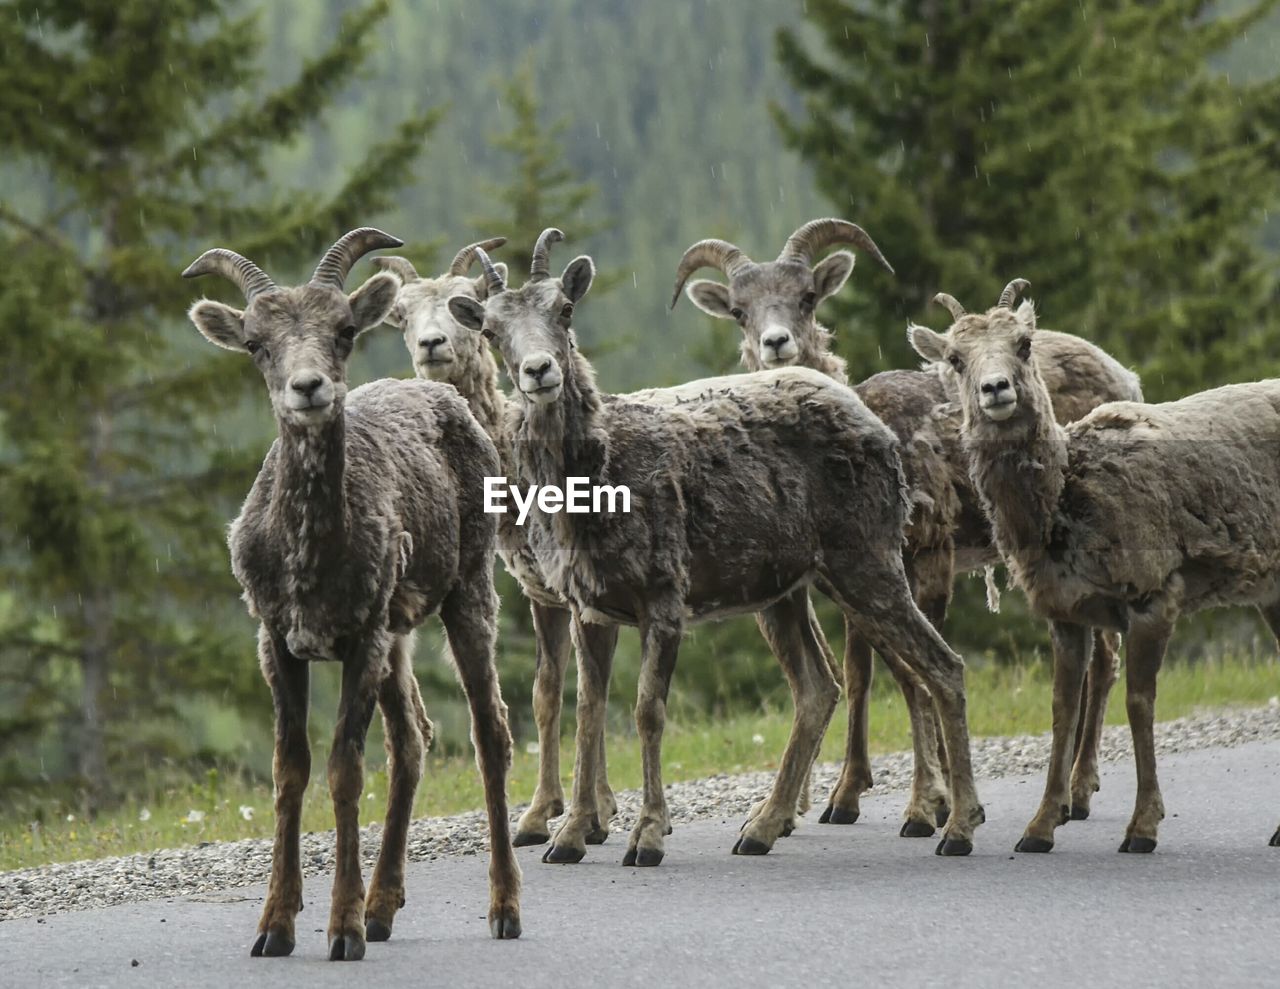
<point>1071,645</point>
<point>363,672</point>
<point>660,645</point>
<point>583,824</point>
<point>408,736</point>
<point>470,616</point>
<point>927,805</point>
<point>1102,675</point>
<point>1271,613</point>
<point>552,648</point>
<point>878,600</point>
<point>797,643</point>
<point>1143,656</point>
<point>290,682</point>
<point>843,807</point>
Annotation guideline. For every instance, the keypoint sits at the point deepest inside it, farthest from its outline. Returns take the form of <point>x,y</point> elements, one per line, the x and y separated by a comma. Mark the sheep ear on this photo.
<point>467,311</point>
<point>830,274</point>
<point>711,297</point>
<point>928,344</point>
<point>481,282</point>
<point>1026,314</point>
<point>577,277</point>
<point>372,302</point>
<point>219,324</point>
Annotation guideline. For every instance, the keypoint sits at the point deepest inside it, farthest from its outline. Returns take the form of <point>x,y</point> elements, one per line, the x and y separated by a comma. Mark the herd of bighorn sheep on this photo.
<point>1012,444</point>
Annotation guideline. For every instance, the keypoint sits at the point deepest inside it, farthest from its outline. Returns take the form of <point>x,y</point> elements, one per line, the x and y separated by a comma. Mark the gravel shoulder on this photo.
<point>221,866</point>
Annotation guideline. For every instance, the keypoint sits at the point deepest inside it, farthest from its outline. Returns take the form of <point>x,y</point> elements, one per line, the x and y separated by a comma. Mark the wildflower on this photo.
<point>532,748</point>
<point>757,739</point>
<point>193,817</point>
<point>144,815</point>
<point>71,818</point>
<point>246,812</point>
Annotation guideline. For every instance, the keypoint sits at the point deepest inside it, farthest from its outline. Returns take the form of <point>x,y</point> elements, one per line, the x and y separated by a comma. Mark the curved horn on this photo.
<point>492,280</point>
<point>248,277</point>
<point>1010,294</point>
<point>949,303</point>
<point>816,234</point>
<point>397,266</point>
<point>540,267</point>
<point>710,253</point>
<point>350,248</point>
<point>465,258</point>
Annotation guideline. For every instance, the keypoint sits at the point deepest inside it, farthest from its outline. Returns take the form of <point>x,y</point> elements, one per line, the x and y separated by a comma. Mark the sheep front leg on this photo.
<point>551,638</point>
<point>1103,673</point>
<point>290,682</point>
<point>584,824</point>
<point>408,736</point>
<point>660,644</point>
<point>855,775</point>
<point>362,675</point>
<point>1071,645</point>
<point>1145,653</point>
<point>470,619</point>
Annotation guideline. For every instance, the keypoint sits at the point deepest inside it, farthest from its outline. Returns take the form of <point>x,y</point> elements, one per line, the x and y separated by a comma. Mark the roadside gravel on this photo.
<point>214,870</point>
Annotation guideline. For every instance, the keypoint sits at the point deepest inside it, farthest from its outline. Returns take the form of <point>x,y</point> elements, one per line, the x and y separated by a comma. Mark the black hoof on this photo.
<point>750,846</point>
<point>1141,846</point>
<point>1030,843</point>
<point>916,829</point>
<point>346,948</point>
<point>954,846</point>
<point>838,815</point>
<point>505,925</point>
<point>525,838</point>
<point>941,814</point>
<point>1275,839</point>
<point>1079,813</point>
<point>597,836</point>
<point>271,945</point>
<point>376,930</point>
<point>788,831</point>
<point>982,814</point>
<point>557,855</point>
<point>644,858</point>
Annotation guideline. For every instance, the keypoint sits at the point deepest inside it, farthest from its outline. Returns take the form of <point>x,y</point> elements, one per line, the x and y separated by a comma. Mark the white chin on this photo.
<point>999,413</point>
<point>543,396</point>
<point>773,363</point>
<point>435,370</point>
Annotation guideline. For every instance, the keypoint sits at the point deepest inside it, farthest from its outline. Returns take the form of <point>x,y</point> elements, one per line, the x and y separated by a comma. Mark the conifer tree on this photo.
<point>141,135</point>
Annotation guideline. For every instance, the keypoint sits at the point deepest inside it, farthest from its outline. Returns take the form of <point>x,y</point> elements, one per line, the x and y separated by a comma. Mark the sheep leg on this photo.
<point>1271,613</point>
<point>290,681</point>
<point>1071,646</point>
<point>408,736</point>
<point>599,642</point>
<point>855,775</point>
<point>551,639</point>
<point>470,617</point>
<point>583,823</point>
<point>363,671</point>
<point>1143,656</point>
<point>877,599</point>
<point>660,644</point>
<point>927,806</point>
<point>795,641</point>
<point>1102,675</point>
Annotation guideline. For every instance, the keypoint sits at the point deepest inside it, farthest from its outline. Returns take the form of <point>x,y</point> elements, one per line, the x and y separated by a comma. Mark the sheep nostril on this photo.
<point>306,384</point>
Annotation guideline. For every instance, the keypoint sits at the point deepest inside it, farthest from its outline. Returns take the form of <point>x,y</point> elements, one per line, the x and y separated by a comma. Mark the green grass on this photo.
<point>1002,701</point>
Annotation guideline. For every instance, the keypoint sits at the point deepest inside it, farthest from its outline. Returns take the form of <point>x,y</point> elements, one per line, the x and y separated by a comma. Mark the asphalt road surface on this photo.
<point>829,906</point>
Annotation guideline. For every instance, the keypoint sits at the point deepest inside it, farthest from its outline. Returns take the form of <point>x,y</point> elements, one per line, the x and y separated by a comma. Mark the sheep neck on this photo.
<point>483,396</point>
<point>309,497</point>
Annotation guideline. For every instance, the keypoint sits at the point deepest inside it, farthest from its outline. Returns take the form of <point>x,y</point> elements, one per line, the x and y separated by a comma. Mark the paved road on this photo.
<point>829,906</point>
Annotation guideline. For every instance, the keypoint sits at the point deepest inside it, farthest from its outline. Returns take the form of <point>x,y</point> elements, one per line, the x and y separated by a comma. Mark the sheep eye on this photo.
<point>252,346</point>
<point>566,311</point>
<point>808,301</point>
<point>488,334</point>
<point>347,333</point>
<point>1024,348</point>
<point>956,362</point>
<point>737,314</point>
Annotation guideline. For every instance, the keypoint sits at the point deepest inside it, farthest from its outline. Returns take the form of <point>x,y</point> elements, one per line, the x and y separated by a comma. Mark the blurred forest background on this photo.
<point>1122,156</point>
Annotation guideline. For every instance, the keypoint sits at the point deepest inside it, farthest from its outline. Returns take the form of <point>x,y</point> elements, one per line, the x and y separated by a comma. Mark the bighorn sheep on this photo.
<point>365,518</point>
<point>741,496</point>
<point>1123,520</point>
<point>774,303</point>
<point>443,351</point>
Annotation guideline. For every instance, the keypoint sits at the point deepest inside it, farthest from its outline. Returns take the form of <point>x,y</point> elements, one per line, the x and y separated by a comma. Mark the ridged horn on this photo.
<point>397,266</point>
<point>1010,294</point>
<point>248,277</point>
<point>465,258</point>
<point>350,248</point>
<point>816,234</point>
<point>540,267</point>
<point>710,253</point>
<point>949,303</point>
<point>492,280</point>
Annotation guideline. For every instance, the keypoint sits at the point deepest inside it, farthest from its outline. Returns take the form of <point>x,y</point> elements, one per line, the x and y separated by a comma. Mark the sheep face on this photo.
<point>774,305</point>
<point>441,349</point>
<point>300,339</point>
<point>990,356</point>
<point>531,326</point>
